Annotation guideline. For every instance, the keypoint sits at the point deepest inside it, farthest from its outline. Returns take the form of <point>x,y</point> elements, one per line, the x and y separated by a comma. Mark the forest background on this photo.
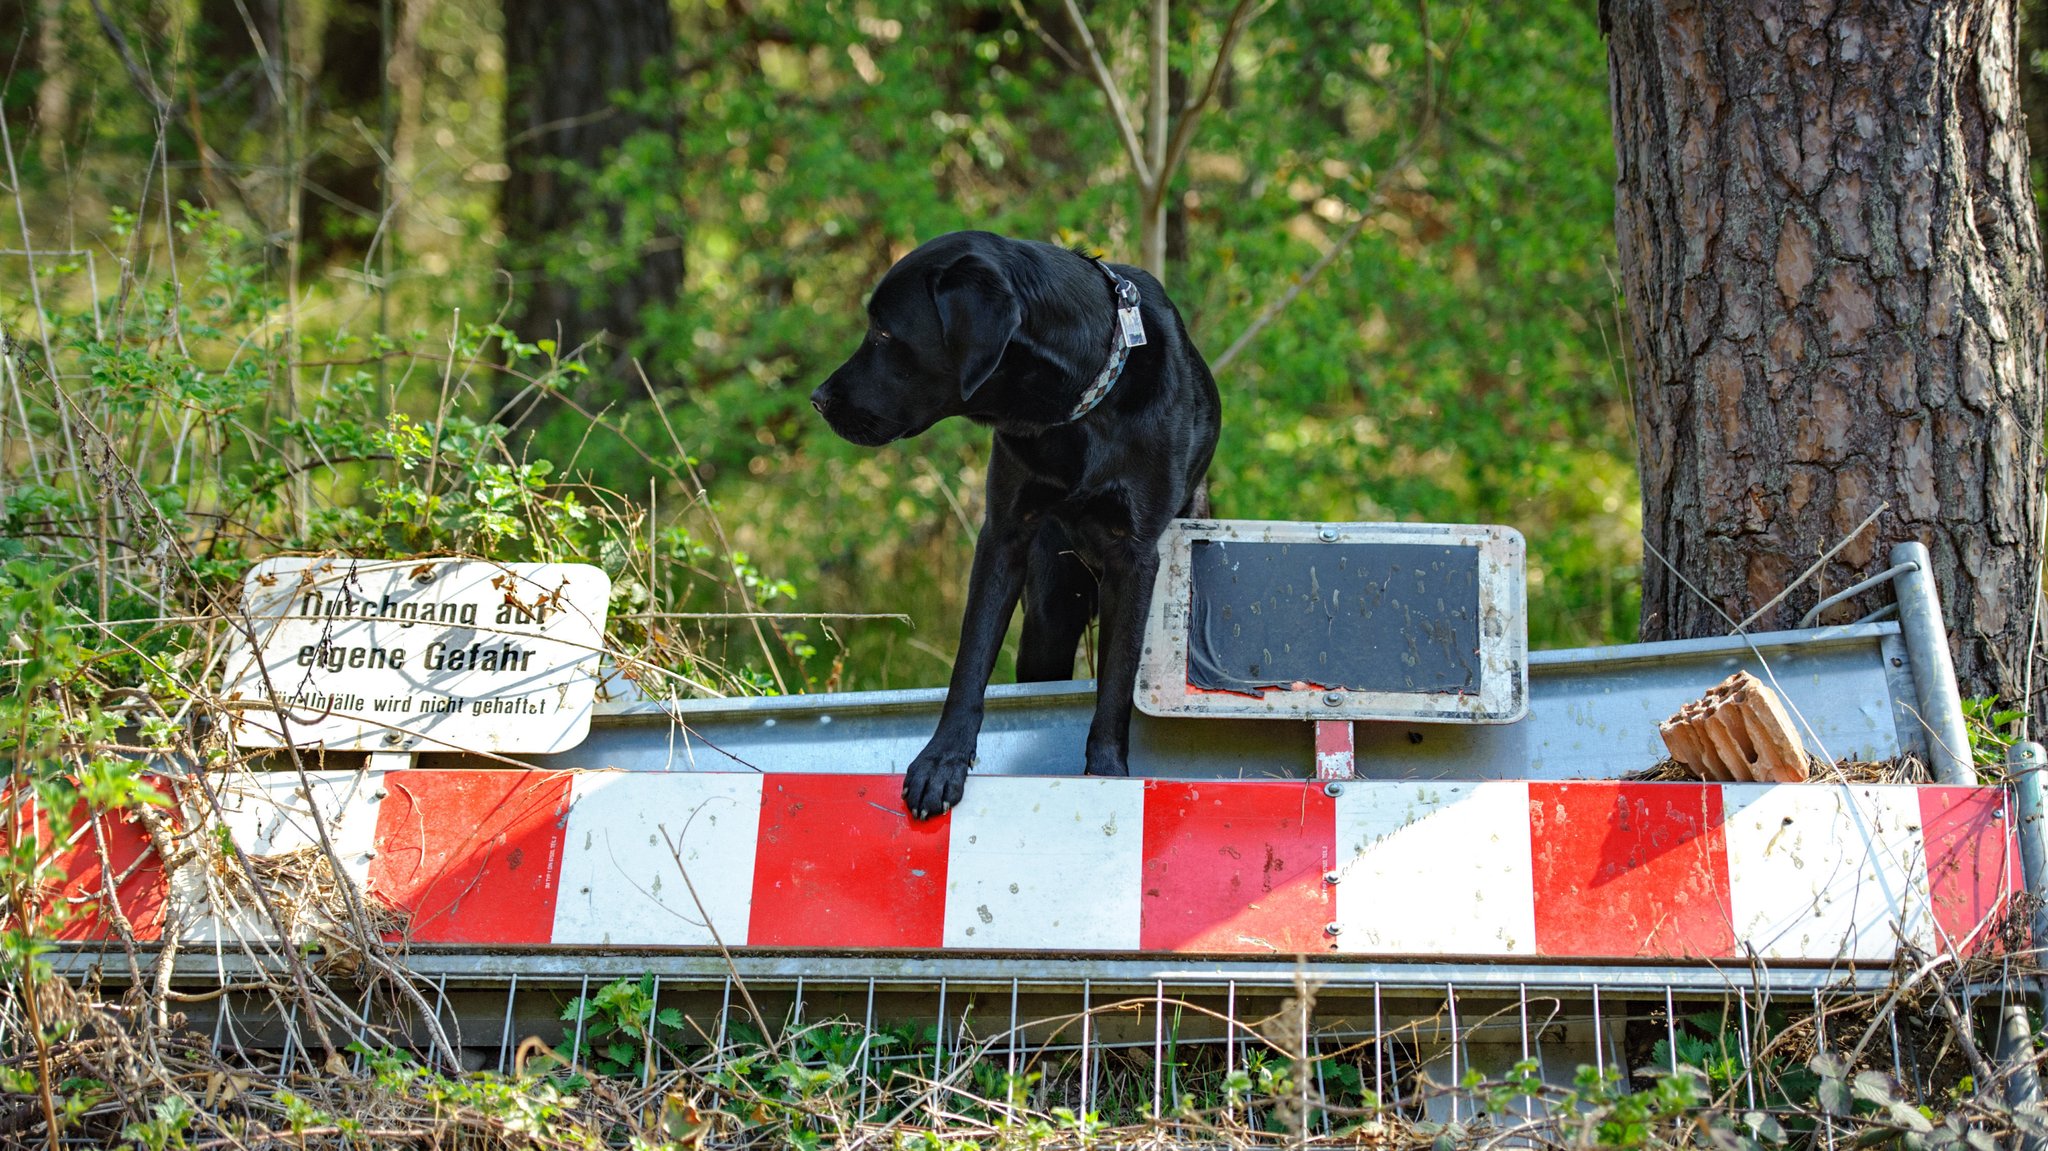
<point>1392,235</point>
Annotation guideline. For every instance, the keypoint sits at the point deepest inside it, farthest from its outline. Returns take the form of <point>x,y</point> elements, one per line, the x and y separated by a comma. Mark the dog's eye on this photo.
<point>878,335</point>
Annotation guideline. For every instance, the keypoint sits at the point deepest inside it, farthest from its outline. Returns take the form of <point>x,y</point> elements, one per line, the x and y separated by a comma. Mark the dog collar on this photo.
<point>1127,333</point>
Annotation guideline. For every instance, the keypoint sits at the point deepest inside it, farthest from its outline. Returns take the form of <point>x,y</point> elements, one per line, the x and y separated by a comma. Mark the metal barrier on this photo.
<point>1940,858</point>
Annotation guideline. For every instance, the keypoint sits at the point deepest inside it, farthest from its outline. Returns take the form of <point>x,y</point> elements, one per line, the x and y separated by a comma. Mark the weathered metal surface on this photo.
<point>1797,873</point>
<point>1236,867</point>
<point>1593,714</point>
<point>1400,892</point>
<point>1425,623</point>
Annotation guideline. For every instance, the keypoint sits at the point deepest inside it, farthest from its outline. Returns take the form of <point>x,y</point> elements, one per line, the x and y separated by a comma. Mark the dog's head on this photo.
<point>938,324</point>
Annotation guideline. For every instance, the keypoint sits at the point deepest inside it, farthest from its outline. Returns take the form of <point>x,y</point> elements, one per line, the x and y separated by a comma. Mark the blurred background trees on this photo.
<point>1391,231</point>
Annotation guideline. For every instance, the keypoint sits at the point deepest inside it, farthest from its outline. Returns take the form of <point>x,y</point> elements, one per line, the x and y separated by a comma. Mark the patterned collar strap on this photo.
<point>1127,333</point>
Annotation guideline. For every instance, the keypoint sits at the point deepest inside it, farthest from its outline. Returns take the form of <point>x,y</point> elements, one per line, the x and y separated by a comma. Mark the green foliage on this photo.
<point>1457,363</point>
<point>177,432</point>
<point>1993,729</point>
<point>619,1025</point>
<point>50,736</point>
<point>531,1107</point>
<point>170,1117</point>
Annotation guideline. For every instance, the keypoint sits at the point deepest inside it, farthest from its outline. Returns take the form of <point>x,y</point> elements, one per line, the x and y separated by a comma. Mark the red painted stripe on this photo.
<point>1335,755</point>
<point>1972,862</point>
<point>839,863</point>
<point>472,856</point>
<point>76,893</point>
<point>1630,870</point>
<point>1237,867</point>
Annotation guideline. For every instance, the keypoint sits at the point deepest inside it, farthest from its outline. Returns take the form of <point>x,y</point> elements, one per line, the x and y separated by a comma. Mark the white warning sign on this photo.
<point>417,655</point>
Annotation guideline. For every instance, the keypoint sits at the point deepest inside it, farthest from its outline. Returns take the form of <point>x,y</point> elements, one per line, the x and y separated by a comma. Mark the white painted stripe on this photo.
<point>271,815</point>
<point>1826,871</point>
<point>619,881</point>
<point>1046,864</point>
<point>1435,869</point>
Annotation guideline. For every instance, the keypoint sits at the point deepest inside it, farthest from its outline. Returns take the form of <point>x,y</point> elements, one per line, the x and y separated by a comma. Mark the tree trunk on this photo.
<point>565,61</point>
<point>1829,250</point>
<point>343,175</point>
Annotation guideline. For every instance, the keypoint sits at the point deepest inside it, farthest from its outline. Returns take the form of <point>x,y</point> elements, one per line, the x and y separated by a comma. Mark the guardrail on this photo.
<point>1607,908</point>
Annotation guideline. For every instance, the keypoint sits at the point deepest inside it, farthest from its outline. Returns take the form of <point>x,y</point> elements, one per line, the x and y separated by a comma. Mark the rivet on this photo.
<point>379,793</point>
<point>1331,877</point>
<point>393,739</point>
<point>1328,535</point>
<point>1333,699</point>
<point>1333,790</point>
<point>1333,929</point>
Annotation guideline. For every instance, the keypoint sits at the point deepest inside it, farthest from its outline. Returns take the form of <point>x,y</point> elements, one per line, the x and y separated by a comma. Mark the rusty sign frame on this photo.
<point>1503,695</point>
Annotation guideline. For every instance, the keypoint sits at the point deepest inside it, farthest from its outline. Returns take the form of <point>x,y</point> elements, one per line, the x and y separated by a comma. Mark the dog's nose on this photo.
<point>818,400</point>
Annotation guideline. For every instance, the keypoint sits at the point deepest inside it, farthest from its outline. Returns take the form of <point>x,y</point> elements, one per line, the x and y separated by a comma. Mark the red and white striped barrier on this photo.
<point>1511,870</point>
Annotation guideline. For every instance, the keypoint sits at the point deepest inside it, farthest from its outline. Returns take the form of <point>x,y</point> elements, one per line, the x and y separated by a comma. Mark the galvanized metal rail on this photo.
<point>1593,715</point>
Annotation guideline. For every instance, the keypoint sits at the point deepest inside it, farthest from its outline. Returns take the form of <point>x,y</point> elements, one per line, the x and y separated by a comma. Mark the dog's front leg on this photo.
<point>938,775</point>
<point>1126,600</point>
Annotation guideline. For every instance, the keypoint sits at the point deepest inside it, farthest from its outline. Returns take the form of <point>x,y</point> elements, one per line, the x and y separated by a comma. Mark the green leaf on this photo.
<point>1875,1086</point>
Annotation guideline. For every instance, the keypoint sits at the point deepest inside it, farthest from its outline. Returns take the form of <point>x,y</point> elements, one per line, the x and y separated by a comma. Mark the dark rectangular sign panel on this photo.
<point>1382,617</point>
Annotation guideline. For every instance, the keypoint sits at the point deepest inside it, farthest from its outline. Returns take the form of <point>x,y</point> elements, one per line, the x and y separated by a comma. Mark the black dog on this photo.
<point>1094,454</point>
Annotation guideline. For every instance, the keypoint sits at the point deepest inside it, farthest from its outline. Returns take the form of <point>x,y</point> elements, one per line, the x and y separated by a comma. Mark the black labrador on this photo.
<point>1105,419</point>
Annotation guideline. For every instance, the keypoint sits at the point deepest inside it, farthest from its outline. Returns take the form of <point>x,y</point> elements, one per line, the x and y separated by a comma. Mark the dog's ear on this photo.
<point>977,316</point>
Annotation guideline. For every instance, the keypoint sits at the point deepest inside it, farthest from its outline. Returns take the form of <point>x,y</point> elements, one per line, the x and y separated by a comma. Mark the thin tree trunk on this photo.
<point>1829,250</point>
<point>343,176</point>
<point>565,61</point>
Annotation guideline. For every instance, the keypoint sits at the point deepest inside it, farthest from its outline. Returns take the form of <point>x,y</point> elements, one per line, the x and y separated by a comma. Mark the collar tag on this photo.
<point>1128,333</point>
<point>1133,325</point>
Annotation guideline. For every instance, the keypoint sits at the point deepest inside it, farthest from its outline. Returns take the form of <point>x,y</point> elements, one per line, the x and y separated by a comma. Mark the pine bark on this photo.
<point>565,61</point>
<point>1829,251</point>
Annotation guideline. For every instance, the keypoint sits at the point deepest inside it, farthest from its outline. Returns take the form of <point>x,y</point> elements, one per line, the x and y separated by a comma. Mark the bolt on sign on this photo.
<point>417,655</point>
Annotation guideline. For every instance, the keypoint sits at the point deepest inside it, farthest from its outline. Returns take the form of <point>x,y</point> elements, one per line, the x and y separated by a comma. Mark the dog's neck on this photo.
<point>1069,330</point>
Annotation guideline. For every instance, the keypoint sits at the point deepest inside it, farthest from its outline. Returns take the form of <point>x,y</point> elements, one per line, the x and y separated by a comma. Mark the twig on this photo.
<point>725,953</point>
<point>1817,565</point>
<point>1964,1040</point>
<point>1191,113</point>
<point>1300,283</point>
<point>1120,112</point>
<point>35,288</point>
<point>739,582</point>
<point>1651,549</point>
<point>1058,49</point>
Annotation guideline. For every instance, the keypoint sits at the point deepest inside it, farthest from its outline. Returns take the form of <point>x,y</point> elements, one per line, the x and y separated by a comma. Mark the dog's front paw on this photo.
<point>935,781</point>
<point>1108,761</point>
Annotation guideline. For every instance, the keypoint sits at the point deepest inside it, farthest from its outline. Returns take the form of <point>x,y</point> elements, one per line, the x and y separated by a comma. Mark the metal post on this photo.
<point>2015,1055</point>
<point>2025,763</point>
<point>1934,669</point>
